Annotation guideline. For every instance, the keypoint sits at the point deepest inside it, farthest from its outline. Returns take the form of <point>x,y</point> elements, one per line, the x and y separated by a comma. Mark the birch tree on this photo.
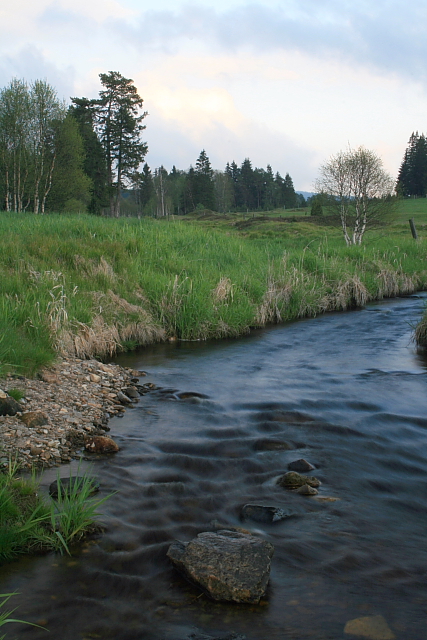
<point>46,110</point>
<point>359,189</point>
<point>15,124</point>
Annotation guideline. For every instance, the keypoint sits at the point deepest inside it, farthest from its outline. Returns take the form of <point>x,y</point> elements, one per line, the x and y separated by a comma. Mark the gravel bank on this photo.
<point>71,400</point>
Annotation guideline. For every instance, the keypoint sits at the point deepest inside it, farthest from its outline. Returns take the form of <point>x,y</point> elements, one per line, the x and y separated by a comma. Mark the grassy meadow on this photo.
<point>83,285</point>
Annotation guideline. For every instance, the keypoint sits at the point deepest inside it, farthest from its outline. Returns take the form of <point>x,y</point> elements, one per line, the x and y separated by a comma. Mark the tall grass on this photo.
<point>31,524</point>
<point>88,286</point>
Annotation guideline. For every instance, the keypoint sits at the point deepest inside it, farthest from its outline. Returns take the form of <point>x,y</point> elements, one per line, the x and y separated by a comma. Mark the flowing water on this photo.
<point>345,391</point>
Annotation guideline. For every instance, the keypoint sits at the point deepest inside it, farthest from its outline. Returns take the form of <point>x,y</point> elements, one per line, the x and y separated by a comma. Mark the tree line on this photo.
<point>243,188</point>
<point>89,156</point>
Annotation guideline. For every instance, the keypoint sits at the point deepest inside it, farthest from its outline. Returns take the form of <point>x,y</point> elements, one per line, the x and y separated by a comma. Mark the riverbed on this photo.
<point>347,392</point>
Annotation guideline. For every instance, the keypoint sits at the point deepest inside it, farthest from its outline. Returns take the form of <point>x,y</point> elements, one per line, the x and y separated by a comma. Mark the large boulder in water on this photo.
<point>228,565</point>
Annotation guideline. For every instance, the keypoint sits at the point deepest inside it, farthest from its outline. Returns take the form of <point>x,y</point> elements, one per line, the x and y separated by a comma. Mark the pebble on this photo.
<point>67,404</point>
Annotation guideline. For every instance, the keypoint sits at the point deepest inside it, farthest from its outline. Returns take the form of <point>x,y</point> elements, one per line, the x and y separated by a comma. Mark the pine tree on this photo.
<point>119,125</point>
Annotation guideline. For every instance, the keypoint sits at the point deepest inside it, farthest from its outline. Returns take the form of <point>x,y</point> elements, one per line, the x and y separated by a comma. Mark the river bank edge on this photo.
<point>76,398</point>
<point>61,408</point>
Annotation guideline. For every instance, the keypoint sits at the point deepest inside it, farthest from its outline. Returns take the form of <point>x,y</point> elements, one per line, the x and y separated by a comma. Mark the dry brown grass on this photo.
<point>92,268</point>
<point>277,296</point>
<point>223,292</point>
<point>117,321</point>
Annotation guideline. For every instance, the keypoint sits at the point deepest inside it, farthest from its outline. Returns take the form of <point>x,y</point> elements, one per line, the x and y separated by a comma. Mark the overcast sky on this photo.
<point>287,83</point>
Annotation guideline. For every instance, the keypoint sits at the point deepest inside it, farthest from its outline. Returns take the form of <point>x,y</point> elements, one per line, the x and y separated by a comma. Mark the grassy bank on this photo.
<point>89,286</point>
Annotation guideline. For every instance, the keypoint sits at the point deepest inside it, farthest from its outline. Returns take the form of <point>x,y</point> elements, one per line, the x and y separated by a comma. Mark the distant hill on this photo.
<point>306,194</point>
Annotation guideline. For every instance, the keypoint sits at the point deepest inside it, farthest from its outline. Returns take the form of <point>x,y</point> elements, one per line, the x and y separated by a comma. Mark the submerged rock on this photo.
<point>294,480</point>
<point>301,465</point>
<point>199,635</point>
<point>306,490</point>
<point>371,627</point>
<point>71,485</point>
<point>227,565</point>
<point>262,514</point>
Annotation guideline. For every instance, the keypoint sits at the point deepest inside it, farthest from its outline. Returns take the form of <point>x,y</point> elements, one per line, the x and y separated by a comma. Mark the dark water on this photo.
<point>345,391</point>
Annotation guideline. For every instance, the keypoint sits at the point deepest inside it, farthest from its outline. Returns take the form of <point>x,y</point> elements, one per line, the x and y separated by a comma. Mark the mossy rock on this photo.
<point>294,480</point>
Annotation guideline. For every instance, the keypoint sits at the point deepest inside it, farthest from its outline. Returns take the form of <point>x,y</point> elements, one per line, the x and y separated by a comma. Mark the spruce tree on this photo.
<point>203,186</point>
<point>412,178</point>
<point>95,165</point>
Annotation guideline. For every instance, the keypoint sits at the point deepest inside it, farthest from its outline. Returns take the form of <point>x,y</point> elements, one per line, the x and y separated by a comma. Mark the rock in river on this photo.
<point>262,514</point>
<point>294,480</point>
<point>301,465</point>
<point>101,444</point>
<point>228,565</point>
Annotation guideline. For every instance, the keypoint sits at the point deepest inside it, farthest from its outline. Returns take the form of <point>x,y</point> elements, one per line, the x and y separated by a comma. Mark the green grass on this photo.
<point>31,524</point>
<point>89,286</point>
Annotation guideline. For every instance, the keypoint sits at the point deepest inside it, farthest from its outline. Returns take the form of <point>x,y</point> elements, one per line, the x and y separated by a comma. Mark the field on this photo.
<point>82,285</point>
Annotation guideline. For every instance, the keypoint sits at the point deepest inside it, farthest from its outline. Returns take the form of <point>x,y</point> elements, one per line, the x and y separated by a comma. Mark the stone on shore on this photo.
<point>123,398</point>
<point>9,406</point>
<point>227,565</point>
<point>33,419</point>
<point>101,444</point>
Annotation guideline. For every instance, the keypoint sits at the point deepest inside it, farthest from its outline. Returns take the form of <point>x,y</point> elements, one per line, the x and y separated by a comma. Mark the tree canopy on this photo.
<point>360,190</point>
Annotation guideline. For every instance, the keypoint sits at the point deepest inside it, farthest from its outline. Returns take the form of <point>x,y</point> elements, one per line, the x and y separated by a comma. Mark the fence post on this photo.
<point>413,229</point>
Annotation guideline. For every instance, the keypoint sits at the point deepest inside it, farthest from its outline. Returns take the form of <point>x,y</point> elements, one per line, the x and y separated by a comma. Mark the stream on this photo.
<point>345,391</point>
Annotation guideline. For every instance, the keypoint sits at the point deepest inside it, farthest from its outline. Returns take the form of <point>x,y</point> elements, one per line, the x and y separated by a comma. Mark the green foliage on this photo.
<point>119,127</point>
<point>316,207</point>
<point>71,187</point>
<point>29,524</point>
<point>73,513</point>
<point>16,394</point>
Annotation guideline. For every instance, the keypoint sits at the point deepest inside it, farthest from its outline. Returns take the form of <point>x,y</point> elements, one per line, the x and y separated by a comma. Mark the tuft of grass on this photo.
<point>16,394</point>
<point>29,524</point>
<point>420,333</point>
<point>73,513</point>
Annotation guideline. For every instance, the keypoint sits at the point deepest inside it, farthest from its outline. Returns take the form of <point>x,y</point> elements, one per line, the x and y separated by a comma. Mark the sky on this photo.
<point>287,83</point>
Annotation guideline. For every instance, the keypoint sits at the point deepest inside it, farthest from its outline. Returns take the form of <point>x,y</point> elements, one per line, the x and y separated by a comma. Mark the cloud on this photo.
<point>30,64</point>
<point>386,35</point>
<point>186,120</point>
